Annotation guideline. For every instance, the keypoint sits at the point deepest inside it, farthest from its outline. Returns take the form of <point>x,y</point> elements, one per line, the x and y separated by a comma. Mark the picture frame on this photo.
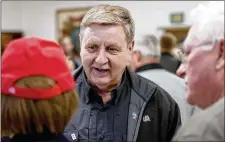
<point>68,23</point>
<point>177,17</point>
<point>8,36</point>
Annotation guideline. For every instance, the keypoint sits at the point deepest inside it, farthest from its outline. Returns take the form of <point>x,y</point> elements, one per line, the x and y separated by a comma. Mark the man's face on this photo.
<point>104,55</point>
<point>202,77</point>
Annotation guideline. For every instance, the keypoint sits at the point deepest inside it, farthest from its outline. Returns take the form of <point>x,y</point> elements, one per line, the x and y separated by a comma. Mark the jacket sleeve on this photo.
<point>170,112</point>
<point>164,116</point>
<point>169,115</point>
<point>174,120</point>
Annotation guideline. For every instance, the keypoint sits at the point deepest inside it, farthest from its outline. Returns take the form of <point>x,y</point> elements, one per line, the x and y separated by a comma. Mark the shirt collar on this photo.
<point>166,54</point>
<point>149,66</point>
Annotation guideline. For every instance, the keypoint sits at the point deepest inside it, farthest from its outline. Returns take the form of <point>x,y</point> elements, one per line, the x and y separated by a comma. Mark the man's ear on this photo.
<point>137,55</point>
<point>134,62</point>
<point>221,54</point>
<point>131,47</point>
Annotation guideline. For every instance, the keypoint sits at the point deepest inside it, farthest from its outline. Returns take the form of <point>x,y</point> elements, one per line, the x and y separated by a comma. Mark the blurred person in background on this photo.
<point>70,50</point>
<point>168,60</point>
<point>116,104</point>
<point>181,70</point>
<point>70,63</point>
<point>204,73</point>
<point>37,91</point>
<point>146,62</point>
<point>178,50</point>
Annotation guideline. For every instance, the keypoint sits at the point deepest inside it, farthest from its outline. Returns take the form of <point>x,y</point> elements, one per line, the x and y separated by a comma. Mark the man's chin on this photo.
<point>101,85</point>
<point>189,99</point>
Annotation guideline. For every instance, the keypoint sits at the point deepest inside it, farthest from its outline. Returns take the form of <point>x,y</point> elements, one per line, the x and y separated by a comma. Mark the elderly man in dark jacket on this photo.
<point>115,103</point>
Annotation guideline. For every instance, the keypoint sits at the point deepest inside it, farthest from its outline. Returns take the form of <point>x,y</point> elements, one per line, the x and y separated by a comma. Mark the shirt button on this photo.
<point>102,137</point>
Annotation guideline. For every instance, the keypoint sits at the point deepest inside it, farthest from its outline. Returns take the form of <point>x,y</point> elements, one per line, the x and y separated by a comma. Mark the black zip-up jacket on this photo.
<point>158,115</point>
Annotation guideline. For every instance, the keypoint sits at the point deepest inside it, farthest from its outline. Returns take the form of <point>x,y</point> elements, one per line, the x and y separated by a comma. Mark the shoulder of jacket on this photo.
<point>77,73</point>
<point>145,88</point>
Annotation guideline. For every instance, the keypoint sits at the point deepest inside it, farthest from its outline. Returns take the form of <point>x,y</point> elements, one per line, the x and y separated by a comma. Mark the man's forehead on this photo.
<point>104,31</point>
<point>192,38</point>
<point>190,43</point>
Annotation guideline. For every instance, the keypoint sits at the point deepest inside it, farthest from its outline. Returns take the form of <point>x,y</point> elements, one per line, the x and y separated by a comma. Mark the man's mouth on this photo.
<point>101,70</point>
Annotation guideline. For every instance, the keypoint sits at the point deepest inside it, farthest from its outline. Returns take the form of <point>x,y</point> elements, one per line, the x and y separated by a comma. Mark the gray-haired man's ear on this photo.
<point>221,54</point>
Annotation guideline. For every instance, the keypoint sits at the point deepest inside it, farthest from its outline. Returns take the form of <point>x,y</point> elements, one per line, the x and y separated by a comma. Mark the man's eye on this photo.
<point>112,49</point>
<point>92,48</point>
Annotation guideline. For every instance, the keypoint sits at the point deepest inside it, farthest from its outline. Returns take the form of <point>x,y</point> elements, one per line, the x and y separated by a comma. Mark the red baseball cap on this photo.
<point>34,56</point>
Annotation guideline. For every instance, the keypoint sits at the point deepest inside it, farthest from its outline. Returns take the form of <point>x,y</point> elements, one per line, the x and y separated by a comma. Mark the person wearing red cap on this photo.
<point>37,90</point>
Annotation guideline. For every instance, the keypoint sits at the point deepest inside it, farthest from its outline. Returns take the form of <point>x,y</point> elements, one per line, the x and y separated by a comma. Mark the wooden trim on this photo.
<point>72,9</point>
<point>174,27</point>
<point>177,29</point>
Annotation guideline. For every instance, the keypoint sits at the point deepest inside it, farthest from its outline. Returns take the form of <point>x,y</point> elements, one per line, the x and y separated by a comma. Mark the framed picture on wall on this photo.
<point>68,24</point>
<point>7,36</point>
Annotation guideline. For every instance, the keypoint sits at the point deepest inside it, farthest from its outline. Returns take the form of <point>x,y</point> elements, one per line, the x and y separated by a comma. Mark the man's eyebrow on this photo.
<point>114,44</point>
<point>90,44</point>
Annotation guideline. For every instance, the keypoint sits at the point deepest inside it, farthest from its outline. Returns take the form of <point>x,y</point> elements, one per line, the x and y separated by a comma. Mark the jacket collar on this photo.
<point>166,54</point>
<point>133,80</point>
<point>149,67</point>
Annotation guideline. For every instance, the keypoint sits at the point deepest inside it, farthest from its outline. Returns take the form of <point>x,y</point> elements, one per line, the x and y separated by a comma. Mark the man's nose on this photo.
<point>181,71</point>
<point>101,57</point>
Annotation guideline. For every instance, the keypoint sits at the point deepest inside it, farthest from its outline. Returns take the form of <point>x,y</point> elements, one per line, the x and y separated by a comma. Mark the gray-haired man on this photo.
<point>204,70</point>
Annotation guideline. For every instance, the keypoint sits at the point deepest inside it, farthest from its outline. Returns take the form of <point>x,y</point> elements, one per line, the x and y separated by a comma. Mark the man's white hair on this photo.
<point>147,45</point>
<point>207,23</point>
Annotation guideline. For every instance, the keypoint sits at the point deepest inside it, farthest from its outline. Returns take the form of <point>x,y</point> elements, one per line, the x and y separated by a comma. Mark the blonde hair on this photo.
<point>168,41</point>
<point>109,15</point>
<point>22,116</point>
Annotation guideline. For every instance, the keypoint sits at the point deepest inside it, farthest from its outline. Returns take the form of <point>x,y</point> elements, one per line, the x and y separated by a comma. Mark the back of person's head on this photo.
<point>168,41</point>
<point>37,87</point>
<point>110,15</point>
<point>147,45</point>
<point>207,23</point>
